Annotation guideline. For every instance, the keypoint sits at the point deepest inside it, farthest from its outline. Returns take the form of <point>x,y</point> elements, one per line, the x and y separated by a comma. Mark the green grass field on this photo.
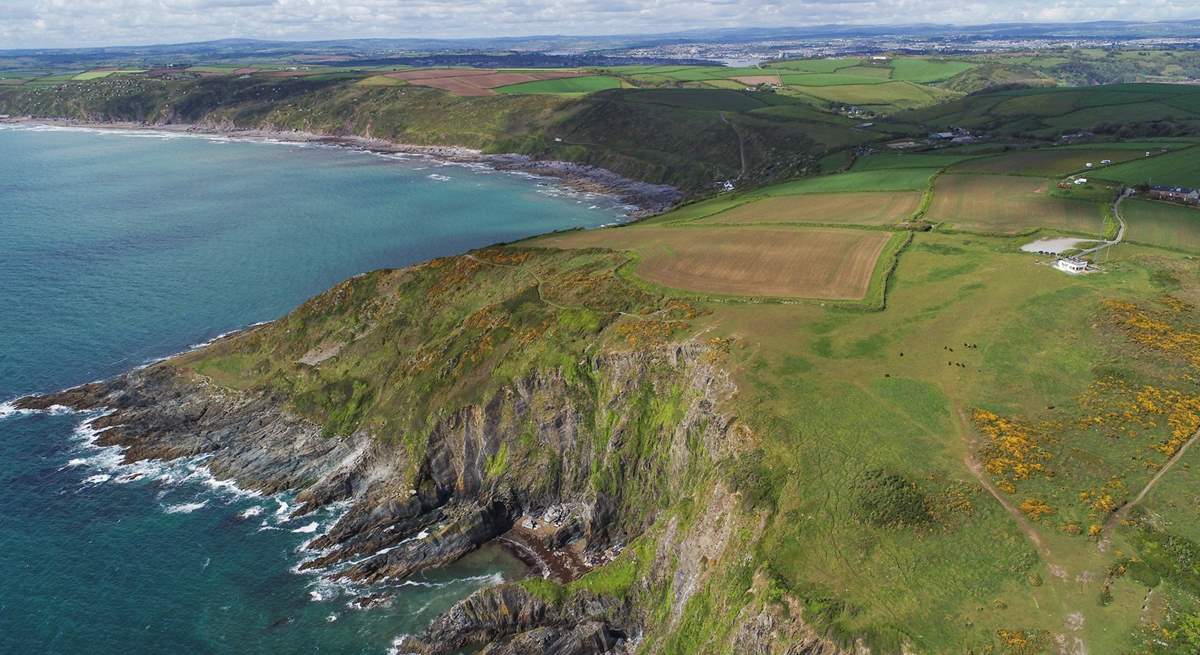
<point>564,86</point>
<point>1047,162</point>
<point>905,179</point>
<point>1051,111</point>
<point>96,75</point>
<point>1181,167</point>
<point>889,95</point>
<point>815,65</point>
<point>889,160</point>
<point>886,208</point>
<point>1162,224</point>
<point>1002,204</point>
<point>924,71</point>
<point>830,79</point>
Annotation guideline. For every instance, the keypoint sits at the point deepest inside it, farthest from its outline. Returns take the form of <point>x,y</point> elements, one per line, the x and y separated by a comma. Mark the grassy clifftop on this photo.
<point>931,477</point>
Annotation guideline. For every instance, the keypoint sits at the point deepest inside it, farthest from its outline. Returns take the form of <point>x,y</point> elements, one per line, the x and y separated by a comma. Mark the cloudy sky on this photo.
<point>74,23</point>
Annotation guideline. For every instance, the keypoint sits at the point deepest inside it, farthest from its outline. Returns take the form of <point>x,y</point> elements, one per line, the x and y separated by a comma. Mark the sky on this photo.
<point>79,23</point>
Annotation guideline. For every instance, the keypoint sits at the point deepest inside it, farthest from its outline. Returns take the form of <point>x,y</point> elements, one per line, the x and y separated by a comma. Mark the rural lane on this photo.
<point>1116,210</point>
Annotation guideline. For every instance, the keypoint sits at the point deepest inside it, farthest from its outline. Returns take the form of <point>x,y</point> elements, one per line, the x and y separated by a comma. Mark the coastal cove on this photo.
<point>640,198</point>
<point>124,246</point>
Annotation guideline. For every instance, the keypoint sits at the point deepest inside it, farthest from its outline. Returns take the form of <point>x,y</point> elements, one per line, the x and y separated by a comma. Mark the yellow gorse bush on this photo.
<point>1013,452</point>
<point>1152,330</point>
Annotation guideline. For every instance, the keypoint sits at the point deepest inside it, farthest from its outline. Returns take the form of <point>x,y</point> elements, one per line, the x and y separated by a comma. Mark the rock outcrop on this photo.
<point>511,621</point>
<point>400,523</point>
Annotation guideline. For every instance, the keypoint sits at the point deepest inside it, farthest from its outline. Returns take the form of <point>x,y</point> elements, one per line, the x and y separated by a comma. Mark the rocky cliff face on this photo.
<point>460,498</point>
<point>452,404</point>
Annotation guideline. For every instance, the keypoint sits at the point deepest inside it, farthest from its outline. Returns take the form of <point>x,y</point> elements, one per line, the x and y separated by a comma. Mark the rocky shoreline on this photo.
<point>647,199</point>
<point>398,525</point>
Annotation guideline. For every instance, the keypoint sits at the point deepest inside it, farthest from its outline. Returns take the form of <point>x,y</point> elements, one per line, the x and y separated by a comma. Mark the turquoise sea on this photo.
<point>117,248</point>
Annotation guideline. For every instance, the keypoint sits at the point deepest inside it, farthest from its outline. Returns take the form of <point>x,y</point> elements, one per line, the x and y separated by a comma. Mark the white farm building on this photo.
<point>1071,265</point>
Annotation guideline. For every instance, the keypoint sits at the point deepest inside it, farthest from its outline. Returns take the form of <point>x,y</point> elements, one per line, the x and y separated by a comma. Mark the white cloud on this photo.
<point>74,23</point>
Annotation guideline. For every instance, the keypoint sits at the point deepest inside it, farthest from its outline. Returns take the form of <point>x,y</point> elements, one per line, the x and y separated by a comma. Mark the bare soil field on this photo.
<point>474,82</point>
<point>1007,204</point>
<point>755,80</point>
<point>840,208</point>
<point>820,263</point>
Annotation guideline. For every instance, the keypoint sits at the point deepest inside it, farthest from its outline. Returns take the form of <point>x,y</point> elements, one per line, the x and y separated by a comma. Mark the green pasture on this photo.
<point>1162,224</point>
<point>1180,167</point>
<point>564,86</point>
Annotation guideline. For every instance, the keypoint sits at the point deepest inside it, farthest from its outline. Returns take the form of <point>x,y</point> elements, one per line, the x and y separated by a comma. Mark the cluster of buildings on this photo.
<point>956,135</point>
<point>1175,194</point>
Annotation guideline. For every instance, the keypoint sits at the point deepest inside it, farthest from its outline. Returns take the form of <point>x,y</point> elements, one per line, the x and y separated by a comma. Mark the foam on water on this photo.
<point>185,508</point>
<point>251,512</point>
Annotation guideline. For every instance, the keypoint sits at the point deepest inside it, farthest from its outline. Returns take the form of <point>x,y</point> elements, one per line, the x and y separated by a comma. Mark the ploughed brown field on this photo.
<point>869,208</point>
<point>474,81</point>
<point>1007,204</point>
<point>820,263</point>
<point>755,80</point>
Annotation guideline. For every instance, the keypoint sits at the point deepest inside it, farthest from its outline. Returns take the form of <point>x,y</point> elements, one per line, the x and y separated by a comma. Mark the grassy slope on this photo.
<point>570,85</point>
<point>1181,168</point>
<point>870,517</point>
<point>1123,110</point>
<point>681,137</point>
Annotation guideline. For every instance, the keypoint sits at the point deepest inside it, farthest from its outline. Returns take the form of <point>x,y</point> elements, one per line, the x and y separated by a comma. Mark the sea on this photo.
<point>121,247</point>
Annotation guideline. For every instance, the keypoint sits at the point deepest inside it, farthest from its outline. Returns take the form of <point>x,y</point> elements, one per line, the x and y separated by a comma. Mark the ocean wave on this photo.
<point>9,408</point>
<point>307,529</point>
<point>185,508</point>
<point>397,644</point>
<point>209,342</point>
<point>324,589</point>
<point>250,512</point>
<point>109,462</point>
<point>439,178</point>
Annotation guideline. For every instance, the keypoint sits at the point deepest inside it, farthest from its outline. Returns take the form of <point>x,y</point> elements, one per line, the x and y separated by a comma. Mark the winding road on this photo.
<point>1116,210</point>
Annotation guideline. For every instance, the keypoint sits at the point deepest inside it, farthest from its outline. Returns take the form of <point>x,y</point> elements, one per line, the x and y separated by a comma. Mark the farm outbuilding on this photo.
<point>1072,265</point>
